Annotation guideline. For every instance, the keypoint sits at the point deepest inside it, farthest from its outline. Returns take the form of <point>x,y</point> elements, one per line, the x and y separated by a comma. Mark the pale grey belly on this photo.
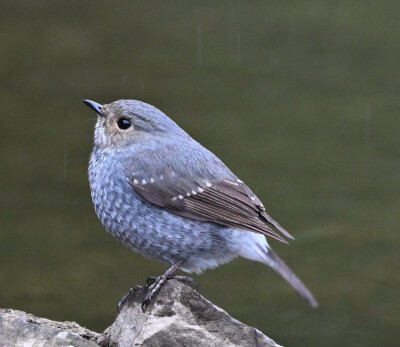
<point>156,233</point>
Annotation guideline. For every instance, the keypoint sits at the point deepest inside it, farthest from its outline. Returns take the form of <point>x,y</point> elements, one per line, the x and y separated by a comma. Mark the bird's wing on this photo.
<point>226,201</point>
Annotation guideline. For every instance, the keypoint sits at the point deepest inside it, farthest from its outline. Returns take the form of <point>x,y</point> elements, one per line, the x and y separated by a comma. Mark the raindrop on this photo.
<point>200,44</point>
<point>65,160</point>
<point>238,48</point>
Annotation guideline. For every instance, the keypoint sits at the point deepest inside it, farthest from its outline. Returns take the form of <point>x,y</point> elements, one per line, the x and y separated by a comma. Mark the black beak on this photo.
<point>94,106</point>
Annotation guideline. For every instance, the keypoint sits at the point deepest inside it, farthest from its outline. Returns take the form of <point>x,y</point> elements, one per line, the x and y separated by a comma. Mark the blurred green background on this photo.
<point>300,99</point>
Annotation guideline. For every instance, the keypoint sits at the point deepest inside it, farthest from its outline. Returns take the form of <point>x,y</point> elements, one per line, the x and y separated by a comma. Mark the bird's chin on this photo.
<point>100,136</point>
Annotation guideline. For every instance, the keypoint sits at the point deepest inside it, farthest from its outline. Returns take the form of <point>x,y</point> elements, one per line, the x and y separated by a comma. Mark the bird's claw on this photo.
<point>150,280</point>
<point>125,298</point>
<point>146,302</point>
<point>154,285</point>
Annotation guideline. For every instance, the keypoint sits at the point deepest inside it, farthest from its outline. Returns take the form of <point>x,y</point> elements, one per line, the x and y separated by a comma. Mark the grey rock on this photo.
<point>180,316</point>
<point>22,329</point>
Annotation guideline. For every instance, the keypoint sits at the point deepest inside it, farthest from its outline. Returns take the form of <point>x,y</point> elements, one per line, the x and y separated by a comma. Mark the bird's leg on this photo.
<point>155,283</point>
<point>188,280</point>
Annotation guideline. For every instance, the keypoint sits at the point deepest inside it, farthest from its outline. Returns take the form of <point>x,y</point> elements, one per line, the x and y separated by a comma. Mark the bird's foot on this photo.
<point>185,279</point>
<point>150,280</point>
<point>126,297</point>
<point>154,284</point>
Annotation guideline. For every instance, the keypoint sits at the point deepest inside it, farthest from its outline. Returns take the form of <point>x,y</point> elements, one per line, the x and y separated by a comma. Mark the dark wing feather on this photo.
<point>227,202</point>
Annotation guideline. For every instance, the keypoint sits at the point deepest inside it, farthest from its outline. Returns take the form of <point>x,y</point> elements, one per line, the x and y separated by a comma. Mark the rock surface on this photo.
<point>21,329</point>
<point>180,316</point>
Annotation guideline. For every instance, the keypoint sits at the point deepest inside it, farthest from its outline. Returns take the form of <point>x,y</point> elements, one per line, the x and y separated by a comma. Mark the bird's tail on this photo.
<point>256,248</point>
<point>282,269</point>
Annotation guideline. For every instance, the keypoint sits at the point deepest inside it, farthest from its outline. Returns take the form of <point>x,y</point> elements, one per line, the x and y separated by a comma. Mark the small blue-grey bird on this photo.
<point>165,196</point>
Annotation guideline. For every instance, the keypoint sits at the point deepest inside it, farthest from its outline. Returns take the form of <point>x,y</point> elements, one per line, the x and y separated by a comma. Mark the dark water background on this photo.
<point>300,99</point>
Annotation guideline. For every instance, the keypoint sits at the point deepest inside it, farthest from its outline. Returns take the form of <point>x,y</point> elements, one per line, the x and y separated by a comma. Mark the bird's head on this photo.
<point>126,122</point>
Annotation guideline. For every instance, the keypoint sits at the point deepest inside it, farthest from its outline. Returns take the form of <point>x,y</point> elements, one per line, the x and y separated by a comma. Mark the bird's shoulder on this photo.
<point>178,157</point>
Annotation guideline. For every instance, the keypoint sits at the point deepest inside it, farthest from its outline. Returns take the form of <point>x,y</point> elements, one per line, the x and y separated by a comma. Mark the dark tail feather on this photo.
<point>282,269</point>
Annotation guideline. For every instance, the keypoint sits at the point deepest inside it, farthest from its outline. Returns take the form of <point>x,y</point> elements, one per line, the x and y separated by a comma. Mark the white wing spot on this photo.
<point>193,192</point>
<point>188,194</point>
<point>201,190</point>
<point>161,177</point>
<point>208,184</point>
<point>240,181</point>
<point>135,181</point>
<point>180,197</point>
<point>144,182</point>
<point>252,197</point>
<point>174,198</point>
<point>152,180</point>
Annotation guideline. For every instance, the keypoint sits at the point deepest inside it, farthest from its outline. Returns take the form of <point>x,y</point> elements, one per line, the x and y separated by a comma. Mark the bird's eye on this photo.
<point>124,123</point>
